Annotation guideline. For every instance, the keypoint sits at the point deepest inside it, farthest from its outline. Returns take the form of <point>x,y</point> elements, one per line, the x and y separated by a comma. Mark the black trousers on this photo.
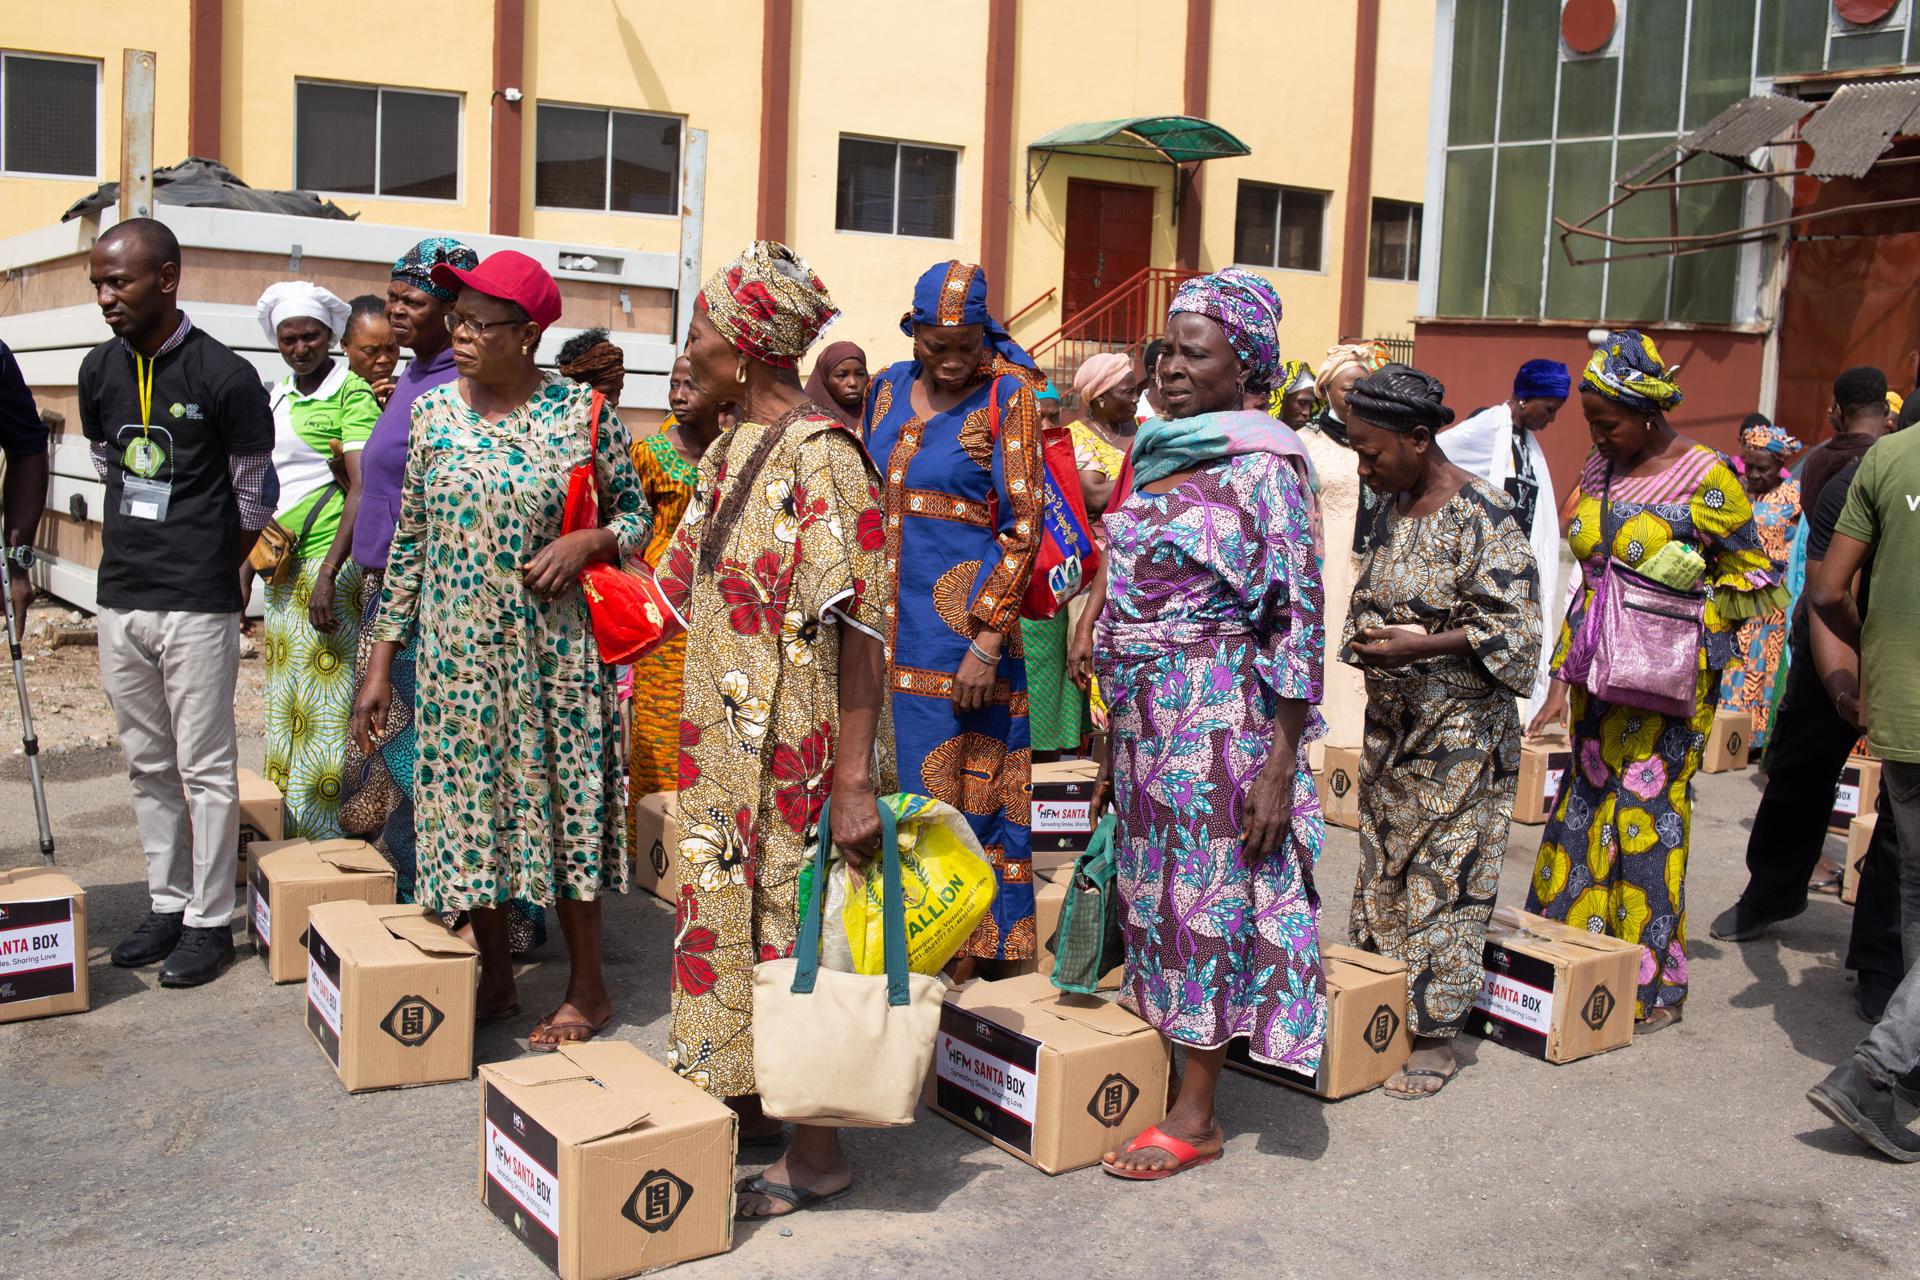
<point>1808,747</point>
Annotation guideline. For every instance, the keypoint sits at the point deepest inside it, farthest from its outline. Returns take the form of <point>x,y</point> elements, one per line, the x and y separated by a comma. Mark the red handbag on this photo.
<point>1068,556</point>
<point>629,611</point>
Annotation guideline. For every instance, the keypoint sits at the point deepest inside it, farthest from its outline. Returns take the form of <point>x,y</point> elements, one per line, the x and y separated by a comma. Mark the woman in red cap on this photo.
<point>518,782</point>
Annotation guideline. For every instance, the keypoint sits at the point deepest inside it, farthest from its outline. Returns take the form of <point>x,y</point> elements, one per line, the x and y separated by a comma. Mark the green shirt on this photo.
<point>304,428</point>
<point>1883,511</point>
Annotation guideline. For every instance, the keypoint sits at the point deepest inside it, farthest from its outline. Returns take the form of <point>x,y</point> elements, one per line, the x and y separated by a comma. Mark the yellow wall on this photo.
<point>652,57</point>
<point>1281,80</point>
<point>940,101</point>
<point>101,29</point>
<point>364,42</point>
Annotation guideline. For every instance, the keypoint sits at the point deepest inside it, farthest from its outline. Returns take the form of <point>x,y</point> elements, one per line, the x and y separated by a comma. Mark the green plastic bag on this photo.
<point>1088,942</point>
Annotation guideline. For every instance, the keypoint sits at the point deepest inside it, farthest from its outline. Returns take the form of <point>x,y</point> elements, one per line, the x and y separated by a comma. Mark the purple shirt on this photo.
<point>383,462</point>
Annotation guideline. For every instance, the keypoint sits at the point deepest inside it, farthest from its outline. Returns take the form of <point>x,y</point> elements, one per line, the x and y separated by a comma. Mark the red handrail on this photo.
<point>1014,319</point>
<point>1129,300</point>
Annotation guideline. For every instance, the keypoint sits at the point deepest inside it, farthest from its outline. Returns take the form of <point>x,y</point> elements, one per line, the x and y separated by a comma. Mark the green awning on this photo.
<point>1173,139</point>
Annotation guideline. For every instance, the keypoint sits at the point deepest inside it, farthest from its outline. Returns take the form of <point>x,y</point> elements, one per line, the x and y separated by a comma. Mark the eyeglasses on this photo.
<point>456,322</point>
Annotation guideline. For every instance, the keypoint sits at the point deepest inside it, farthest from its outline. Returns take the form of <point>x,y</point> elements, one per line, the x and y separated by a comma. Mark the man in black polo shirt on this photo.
<point>181,433</point>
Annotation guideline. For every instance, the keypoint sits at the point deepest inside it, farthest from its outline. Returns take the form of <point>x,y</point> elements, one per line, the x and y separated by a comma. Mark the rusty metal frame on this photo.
<point>1678,245</point>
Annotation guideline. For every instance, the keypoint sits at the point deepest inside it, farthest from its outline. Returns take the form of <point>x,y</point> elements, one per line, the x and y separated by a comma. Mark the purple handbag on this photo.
<point>1639,644</point>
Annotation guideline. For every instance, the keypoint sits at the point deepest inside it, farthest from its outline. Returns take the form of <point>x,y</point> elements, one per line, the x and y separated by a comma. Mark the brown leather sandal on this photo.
<point>548,1026</point>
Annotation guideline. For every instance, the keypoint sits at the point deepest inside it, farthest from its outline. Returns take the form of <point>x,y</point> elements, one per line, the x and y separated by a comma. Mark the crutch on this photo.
<point>29,743</point>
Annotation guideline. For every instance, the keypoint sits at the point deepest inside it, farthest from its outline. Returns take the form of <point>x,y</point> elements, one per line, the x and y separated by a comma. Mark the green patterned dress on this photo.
<point>517,788</point>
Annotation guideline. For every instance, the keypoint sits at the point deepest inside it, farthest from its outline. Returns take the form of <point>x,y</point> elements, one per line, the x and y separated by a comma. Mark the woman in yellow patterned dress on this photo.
<point>778,572</point>
<point>1613,857</point>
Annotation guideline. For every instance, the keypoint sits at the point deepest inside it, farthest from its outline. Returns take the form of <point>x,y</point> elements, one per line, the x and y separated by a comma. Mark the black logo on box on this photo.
<point>1598,1008</point>
<point>1381,1028</point>
<point>412,1021</point>
<point>1112,1101</point>
<point>1734,743</point>
<point>658,856</point>
<point>657,1201</point>
<point>1339,782</point>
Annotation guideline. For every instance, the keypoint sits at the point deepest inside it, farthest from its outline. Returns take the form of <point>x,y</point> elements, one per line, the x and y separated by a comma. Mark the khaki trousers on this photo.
<point>170,677</point>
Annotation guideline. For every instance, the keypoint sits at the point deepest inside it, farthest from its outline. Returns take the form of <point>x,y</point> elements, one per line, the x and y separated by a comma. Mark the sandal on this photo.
<point>1186,1156</point>
<point>796,1198</point>
<point>1422,1073</point>
<point>587,1029</point>
<point>1662,1017</point>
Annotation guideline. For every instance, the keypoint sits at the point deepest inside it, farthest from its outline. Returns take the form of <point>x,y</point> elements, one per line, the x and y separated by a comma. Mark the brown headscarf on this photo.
<point>817,389</point>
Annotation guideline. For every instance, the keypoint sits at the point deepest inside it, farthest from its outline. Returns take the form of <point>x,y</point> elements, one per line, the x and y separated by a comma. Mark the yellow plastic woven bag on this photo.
<point>949,886</point>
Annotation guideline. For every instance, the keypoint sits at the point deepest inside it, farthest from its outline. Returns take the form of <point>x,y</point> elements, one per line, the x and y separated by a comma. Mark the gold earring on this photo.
<point>524,348</point>
<point>740,373</point>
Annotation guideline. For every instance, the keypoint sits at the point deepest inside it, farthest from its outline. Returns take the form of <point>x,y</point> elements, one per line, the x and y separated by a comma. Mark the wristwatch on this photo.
<point>21,557</point>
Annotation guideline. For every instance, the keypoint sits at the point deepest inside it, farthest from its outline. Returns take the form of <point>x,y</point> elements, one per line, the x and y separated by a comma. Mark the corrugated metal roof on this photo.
<point>1856,126</point>
<point>1746,126</point>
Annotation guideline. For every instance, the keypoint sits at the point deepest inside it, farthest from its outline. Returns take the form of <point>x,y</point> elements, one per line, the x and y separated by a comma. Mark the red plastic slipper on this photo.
<point>1187,1156</point>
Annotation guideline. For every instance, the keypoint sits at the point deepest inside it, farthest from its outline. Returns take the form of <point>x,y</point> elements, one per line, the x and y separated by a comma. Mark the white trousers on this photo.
<point>170,677</point>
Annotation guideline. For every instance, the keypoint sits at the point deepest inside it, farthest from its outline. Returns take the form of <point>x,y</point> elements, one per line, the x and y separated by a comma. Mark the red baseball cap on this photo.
<point>512,276</point>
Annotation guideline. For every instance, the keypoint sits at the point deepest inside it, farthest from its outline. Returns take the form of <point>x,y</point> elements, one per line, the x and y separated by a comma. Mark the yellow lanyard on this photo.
<point>143,378</point>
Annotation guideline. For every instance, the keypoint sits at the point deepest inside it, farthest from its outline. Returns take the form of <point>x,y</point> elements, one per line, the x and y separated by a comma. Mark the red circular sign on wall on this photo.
<point>1863,13</point>
<point>1587,25</point>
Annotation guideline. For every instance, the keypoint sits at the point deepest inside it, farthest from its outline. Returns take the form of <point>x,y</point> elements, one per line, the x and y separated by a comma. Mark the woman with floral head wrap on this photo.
<point>314,606</point>
<point>956,434</point>
<point>1209,652</point>
<point>1445,622</point>
<point>779,573</point>
<point>1613,857</point>
<point>1758,665</point>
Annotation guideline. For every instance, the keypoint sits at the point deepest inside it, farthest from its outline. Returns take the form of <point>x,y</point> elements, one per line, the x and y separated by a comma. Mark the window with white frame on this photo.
<point>605,160</point>
<point>1281,227</point>
<point>895,188</point>
<point>49,115</point>
<point>1393,251</point>
<point>360,140</point>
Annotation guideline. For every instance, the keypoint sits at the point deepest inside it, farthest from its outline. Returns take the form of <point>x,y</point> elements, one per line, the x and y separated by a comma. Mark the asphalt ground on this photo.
<point>203,1133</point>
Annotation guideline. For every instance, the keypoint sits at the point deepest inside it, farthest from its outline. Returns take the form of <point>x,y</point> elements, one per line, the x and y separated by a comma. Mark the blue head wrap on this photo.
<point>951,294</point>
<point>1542,380</point>
<point>416,265</point>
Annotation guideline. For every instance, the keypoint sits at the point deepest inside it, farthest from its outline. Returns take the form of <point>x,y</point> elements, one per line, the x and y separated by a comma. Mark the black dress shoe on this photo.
<point>199,958</point>
<point>1856,1101</point>
<point>1876,989</point>
<point>1739,923</point>
<point>152,942</point>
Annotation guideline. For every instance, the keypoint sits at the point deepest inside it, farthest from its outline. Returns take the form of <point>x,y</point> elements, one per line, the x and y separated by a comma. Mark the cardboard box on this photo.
<point>43,944</point>
<point>1859,836</point>
<point>1063,810</point>
<point>1857,792</point>
<point>1367,1034</point>
<point>1057,1080</point>
<point>656,845</point>
<point>290,878</point>
<point>604,1162</point>
<point>1553,991</point>
<point>263,816</point>
<point>1544,761</point>
<point>1338,783</point>
<point>1049,901</point>
<point>1729,742</point>
<point>390,995</point>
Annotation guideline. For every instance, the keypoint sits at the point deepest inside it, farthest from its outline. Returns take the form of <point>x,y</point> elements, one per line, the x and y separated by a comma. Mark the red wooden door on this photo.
<point>1109,240</point>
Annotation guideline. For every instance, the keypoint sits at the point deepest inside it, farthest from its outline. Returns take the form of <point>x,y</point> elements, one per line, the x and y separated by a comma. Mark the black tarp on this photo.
<point>208,184</point>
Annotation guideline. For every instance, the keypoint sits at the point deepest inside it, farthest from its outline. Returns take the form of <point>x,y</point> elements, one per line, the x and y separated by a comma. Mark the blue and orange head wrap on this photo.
<point>952,294</point>
<point>1758,433</point>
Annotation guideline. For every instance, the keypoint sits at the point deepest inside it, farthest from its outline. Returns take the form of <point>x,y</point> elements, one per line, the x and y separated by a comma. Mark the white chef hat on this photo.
<point>290,298</point>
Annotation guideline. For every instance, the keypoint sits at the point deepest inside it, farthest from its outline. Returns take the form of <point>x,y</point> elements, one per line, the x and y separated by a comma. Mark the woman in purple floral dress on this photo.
<point>1209,651</point>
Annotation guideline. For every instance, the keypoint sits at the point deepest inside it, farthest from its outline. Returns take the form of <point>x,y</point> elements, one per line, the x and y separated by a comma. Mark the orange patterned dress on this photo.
<point>1749,680</point>
<point>653,753</point>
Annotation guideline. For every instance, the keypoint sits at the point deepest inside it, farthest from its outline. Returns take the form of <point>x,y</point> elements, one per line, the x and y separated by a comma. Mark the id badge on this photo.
<point>144,499</point>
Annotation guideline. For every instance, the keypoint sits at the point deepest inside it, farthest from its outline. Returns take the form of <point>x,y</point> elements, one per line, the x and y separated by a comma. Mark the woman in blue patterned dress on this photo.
<point>1209,651</point>
<point>956,435</point>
